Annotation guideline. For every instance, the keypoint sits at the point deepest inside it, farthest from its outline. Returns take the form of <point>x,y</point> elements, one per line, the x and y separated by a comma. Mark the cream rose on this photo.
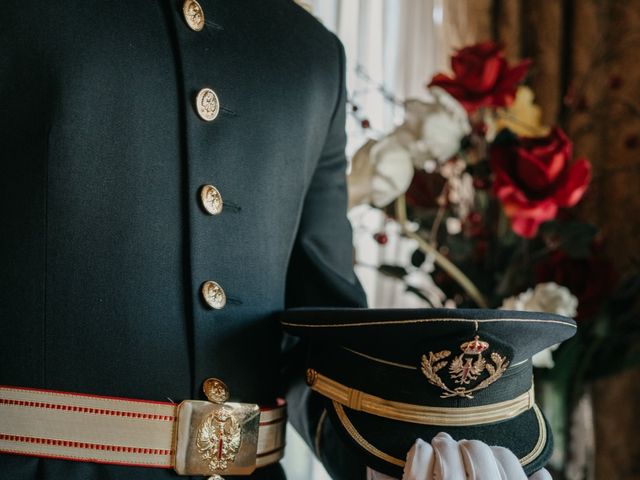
<point>444,123</point>
<point>380,172</point>
<point>549,298</point>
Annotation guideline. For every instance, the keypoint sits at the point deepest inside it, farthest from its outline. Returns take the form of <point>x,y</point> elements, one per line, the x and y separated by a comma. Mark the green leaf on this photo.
<point>418,257</point>
<point>395,271</point>
<point>574,237</point>
<point>566,359</point>
<point>460,248</point>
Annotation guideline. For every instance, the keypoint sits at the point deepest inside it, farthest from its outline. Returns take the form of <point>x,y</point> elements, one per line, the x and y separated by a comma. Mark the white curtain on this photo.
<point>392,46</point>
<point>393,49</point>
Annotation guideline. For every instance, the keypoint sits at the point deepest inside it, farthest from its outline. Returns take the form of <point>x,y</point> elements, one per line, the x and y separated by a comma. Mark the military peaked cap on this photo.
<point>390,376</point>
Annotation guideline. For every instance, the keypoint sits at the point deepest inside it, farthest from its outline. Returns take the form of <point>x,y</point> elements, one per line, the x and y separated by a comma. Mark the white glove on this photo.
<point>446,459</point>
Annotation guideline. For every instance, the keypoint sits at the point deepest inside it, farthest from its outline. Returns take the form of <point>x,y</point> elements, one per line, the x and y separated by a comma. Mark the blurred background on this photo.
<point>495,162</point>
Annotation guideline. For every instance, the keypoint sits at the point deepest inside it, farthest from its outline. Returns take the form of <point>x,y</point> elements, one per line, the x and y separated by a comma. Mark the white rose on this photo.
<point>414,113</point>
<point>554,298</point>
<point>549,298</point>
<point>518,302</point>
<point>545,297</point>
<point>393,171</point>
<point>444,124</point>
<point>544,359</point>
<point>380,172</point>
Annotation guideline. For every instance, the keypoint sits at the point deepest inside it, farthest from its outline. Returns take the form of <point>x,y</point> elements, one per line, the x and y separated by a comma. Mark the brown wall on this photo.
<point>587,78</point>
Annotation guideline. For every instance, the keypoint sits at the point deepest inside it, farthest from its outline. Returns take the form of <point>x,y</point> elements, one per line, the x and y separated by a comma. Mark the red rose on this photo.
<point>481,77</point>
<point>591,279</point>
<point>533,177</point>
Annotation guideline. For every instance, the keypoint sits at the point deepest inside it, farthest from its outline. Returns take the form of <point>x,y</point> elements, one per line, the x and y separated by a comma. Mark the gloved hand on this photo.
<point>446,459</point>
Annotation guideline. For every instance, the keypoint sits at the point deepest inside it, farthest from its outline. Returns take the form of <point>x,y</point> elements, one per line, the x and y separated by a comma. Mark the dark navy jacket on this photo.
<point>103,243</point>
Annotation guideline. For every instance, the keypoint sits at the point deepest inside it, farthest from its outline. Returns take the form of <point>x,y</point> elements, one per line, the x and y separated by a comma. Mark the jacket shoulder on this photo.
<point>303,30</point>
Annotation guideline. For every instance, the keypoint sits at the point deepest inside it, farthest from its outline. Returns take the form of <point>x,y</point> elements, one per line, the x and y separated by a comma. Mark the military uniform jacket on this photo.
<point>104,240</point>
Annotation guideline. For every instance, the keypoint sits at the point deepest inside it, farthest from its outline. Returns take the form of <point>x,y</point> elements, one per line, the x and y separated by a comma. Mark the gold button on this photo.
<point>214,295</point>
<point>207,104</point>
<point>215,390</point>
<point>193,14</point>
<point>211,199</point>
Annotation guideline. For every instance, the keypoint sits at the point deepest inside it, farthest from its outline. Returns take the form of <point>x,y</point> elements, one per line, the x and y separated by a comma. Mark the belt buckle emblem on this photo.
<point>216,438</point>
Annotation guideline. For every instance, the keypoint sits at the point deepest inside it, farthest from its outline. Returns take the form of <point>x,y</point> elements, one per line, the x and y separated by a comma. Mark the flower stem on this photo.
<point>433,236</point>
<point>442,261</point>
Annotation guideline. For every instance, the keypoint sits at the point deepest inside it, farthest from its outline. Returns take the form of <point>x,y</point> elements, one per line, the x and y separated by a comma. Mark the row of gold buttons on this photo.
<point>208,107</point>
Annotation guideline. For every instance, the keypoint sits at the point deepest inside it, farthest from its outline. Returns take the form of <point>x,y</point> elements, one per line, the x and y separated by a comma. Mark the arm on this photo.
<point>321,274</point>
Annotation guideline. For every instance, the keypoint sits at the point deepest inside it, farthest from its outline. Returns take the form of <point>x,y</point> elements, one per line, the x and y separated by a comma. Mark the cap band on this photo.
<point>424,415</point>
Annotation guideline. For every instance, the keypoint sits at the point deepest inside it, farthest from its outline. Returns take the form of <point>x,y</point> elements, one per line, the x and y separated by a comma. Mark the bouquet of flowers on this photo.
<point>487,196</point>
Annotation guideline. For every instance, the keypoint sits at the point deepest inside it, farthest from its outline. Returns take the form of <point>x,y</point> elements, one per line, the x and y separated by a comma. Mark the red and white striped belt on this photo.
<point>193,437</point>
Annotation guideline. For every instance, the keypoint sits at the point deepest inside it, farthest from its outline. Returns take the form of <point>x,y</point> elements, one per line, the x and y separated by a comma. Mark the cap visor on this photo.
<point>383,444</point>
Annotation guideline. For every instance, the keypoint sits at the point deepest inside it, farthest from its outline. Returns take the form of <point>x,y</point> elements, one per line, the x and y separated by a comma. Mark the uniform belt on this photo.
<point>193,437</point>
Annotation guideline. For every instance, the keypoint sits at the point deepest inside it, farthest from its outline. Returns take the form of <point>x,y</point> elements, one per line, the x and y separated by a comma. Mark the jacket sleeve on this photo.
<point>321,275</point>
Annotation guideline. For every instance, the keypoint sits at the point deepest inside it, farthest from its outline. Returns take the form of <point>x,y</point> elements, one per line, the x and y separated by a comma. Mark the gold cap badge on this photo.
<point>465,369</point>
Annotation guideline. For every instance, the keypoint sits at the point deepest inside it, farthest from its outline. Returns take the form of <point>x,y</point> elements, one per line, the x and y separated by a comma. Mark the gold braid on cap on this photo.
<point>423,415</point>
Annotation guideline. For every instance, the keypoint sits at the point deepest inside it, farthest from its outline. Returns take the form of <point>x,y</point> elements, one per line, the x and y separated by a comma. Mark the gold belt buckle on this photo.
<point>218,437</point>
